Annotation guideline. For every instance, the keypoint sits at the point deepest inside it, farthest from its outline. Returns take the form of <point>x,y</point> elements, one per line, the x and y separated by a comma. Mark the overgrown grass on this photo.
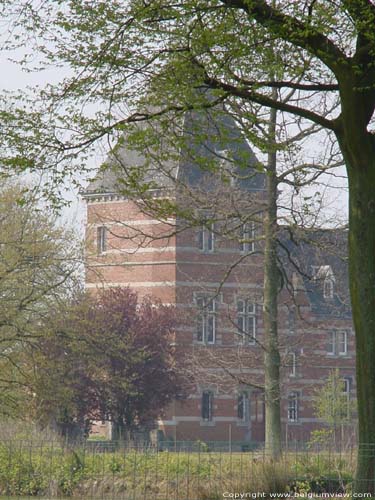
<point>52,470</point>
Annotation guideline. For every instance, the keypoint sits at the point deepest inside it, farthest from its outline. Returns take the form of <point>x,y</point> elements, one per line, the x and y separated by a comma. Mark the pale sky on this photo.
<point>13,78</point>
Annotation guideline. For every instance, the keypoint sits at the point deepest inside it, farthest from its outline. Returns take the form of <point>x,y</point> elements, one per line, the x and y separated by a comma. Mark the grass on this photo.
<point>46,469</point>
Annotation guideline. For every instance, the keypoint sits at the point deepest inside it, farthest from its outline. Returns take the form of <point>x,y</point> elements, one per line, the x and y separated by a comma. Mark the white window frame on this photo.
<point>336,344</point>
<point>328,287</point>
<point>244,400</point>
<point>331,349</point>
<point>247,235</point>
<point>293,364</point>
<point>206,319</point>
<point>206,238</point>
<point>293,407</point>
<point>227,165</point>
<point>346,381</point>
<point>246,321</point>
<point>101,239</point>
<point>343,352</point>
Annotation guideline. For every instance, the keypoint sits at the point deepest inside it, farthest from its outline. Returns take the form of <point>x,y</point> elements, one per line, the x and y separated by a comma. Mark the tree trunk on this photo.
<point>271,287</point>
<point>362,288</point>
<point>119,433</point>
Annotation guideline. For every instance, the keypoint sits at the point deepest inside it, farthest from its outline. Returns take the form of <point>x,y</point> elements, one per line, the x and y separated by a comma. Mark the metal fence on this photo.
<point>173,471</point>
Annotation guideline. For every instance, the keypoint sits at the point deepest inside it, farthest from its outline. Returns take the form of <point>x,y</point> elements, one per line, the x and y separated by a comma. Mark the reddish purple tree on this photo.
<point>110,357</point>
<point>130,357</point>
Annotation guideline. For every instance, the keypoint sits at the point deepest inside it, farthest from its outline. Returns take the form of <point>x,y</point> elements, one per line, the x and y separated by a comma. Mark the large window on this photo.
<point>246,239</point>
<point>243,406</point>
<point>293,401</point>
<point>206,237</point>
<point>246,321</point>
<point>101,239</point>
<point>206,320</point>
<point>207,405</point>
<point>337,343</point>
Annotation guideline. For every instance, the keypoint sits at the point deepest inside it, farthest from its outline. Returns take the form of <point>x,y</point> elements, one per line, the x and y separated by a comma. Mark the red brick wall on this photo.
<point>148,256</point>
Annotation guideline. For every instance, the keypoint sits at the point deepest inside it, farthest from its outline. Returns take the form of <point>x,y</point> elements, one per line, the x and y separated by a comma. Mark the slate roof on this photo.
<point>319,255</point>
<point>107,177</point>
<point>221,136</point>
<point>206,134</point>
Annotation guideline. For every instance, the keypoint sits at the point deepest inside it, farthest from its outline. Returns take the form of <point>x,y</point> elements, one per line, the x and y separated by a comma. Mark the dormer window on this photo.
<point>227,166</point>
<point>206,238</point>
<point>328,287</point>
<point>325,276</point>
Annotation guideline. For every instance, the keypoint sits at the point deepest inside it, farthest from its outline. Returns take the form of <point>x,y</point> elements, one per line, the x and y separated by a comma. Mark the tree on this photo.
<point>333,405</point>
<point>328,57</point>
<point>38,266</point>
<point>111,357</point>
<point>270,307</point>
<point>64,397</point>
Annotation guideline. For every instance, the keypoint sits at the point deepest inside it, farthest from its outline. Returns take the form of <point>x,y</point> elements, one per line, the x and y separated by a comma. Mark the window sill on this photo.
<point>341,356</point>
<point>240,423</point>
<point>207,423</point>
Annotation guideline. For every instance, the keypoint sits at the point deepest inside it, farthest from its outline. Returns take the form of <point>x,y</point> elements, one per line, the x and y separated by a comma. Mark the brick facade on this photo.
<point>176,271</point>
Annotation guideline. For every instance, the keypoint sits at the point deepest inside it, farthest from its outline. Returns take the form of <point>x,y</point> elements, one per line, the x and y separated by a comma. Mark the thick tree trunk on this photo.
<point>358,148</point>
<point>362,288</point>
<point>271,287</point>
<point>119,430</point>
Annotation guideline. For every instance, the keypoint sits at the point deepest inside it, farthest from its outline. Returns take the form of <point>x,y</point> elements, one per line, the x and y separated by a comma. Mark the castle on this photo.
<point>195,240</point>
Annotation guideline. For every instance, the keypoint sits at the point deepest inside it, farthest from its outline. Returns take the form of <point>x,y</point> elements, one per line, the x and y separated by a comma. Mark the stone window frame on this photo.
<point>293,407</point>
<point>334,343</point>
<point>205,314</point>
<point>101,239</point>
<point>246,315</point>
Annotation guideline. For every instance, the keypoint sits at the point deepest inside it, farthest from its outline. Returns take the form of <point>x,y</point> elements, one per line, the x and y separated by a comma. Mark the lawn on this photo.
<point>52,470</point>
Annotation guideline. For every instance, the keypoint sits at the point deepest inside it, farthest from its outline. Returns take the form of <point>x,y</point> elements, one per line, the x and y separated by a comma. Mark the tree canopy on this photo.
<point>109,357</point>
<point>38,269</point>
